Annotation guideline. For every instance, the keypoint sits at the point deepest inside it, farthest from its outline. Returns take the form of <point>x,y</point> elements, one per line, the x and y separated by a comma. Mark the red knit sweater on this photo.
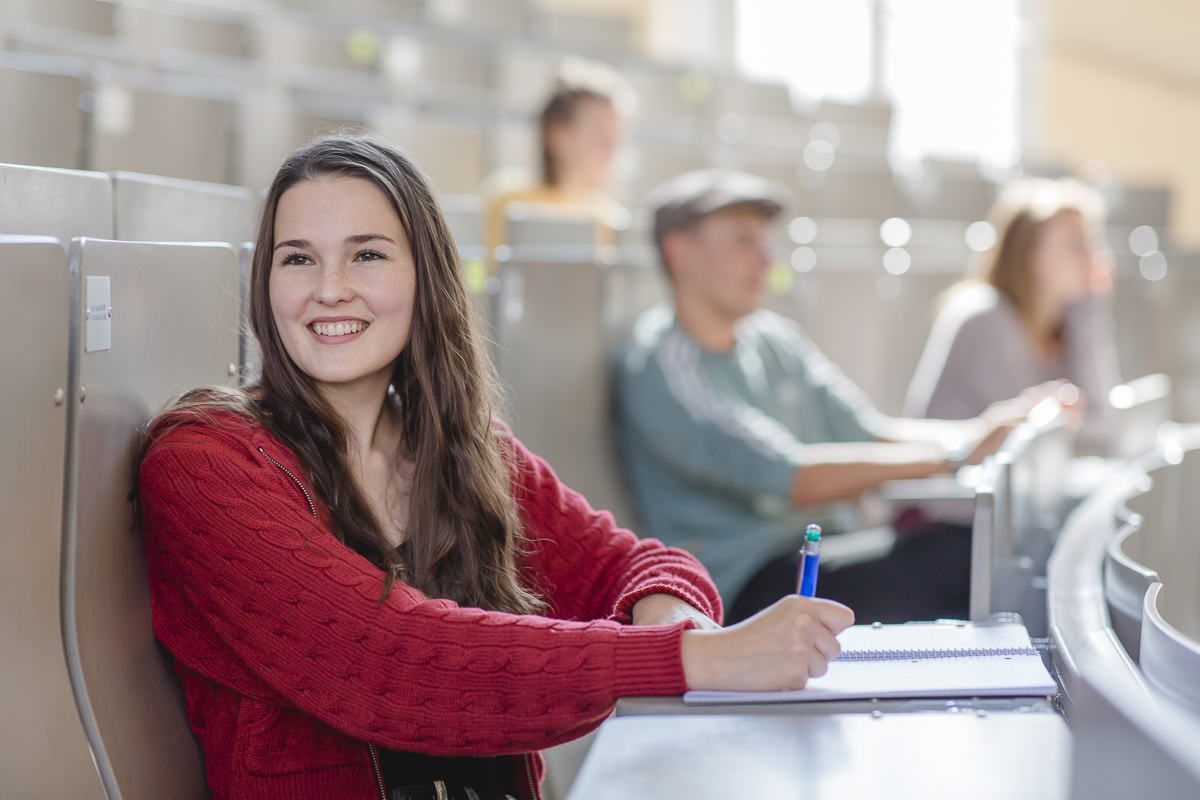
<point>291,665</point>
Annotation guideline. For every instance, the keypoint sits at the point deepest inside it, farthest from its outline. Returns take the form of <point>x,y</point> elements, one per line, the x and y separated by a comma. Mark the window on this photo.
<point>950,68</point>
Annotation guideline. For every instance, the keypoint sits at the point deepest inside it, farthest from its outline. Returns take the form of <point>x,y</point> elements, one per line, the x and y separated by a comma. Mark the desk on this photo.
<point>951,498</point>
<point>1006,755</point>
<point>645,706</point>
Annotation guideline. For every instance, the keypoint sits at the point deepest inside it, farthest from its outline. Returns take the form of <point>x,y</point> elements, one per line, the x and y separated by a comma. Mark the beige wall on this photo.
<point>1119,82</point>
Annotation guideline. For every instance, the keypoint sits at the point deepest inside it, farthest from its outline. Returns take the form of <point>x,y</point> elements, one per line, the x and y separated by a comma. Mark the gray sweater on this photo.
<point>979,352</point>
<point>711,441</point>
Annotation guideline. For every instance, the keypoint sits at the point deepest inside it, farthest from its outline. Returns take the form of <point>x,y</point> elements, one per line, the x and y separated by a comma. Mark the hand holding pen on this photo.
<point>780,647</point>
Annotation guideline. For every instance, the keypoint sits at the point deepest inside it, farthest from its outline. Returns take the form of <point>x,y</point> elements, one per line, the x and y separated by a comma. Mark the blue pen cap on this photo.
<point>813,533</point>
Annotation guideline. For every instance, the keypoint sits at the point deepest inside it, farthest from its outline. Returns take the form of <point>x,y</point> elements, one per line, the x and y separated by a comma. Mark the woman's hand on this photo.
<point>999,419</point>
<point>780,647</point>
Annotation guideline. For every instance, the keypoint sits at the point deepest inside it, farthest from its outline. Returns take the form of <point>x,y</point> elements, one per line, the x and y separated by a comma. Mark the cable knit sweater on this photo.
<point>293,669</point>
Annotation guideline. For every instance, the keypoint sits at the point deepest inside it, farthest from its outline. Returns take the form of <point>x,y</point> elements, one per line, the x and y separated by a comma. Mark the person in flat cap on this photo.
<point>737,432</point>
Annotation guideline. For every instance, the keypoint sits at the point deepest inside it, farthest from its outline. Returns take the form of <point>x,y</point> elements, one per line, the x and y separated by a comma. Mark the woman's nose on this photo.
<point>333,286</point>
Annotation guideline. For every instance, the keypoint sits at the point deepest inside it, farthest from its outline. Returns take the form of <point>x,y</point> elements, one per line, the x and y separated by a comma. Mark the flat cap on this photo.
<point>679,202</point>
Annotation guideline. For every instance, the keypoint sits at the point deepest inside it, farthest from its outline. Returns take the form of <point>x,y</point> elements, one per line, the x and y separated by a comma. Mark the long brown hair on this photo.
<point>1019,216</point>
<point>464,534</point>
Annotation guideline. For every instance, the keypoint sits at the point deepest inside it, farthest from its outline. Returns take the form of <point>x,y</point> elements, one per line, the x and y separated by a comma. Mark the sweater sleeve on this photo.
<point>987,360</point>
<point>249,588</point>
<point>586,566</point>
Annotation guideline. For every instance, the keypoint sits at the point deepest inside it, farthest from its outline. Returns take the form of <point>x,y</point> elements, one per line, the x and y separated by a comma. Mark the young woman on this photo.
<point>1036,311</point>
<point>579,130</point>
<point>369,587</point>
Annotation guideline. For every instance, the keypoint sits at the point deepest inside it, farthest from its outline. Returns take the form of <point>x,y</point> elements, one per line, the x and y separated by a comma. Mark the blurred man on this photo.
<point>737,432</point>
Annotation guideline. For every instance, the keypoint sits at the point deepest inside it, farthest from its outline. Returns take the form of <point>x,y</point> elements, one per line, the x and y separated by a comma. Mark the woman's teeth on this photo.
<point>338,328</point>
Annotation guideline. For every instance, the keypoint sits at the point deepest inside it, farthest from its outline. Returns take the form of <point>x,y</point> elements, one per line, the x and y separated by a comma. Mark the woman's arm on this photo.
<point>253,592</point>
<point>587,567</point>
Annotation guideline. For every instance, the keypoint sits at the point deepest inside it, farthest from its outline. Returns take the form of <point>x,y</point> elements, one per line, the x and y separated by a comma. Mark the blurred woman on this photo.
<point>1035,311</point>
<point>580,127</point>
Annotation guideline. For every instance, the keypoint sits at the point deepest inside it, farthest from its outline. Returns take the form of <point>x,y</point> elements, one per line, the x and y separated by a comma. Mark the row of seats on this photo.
<point>227,29</point>
<point>218,93</point>
<point>106,333</point>
<point>880,356</point>
<point>137,91</point>
<point>1159,545</point>
<point>1125,626</point>
<point>1020,502</point>
<point>111,116</point>
<point>122,205</point>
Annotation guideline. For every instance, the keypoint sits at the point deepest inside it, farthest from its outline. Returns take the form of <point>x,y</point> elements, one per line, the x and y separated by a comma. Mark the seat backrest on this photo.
<point>1170,659</point>
<point>739,96</point>
<point>553,360</point>
<point>43,749</point>
<point>47,90</point>
<point>149,208</point>
<point>77,15</point>
<point>153,320</point>
<point>1140,407</point>
<point>162,125</point>
<point>63,203</point>
<point>1126,582</point>
<point>820,303</point>
<point>1038,452</point>
<point>990,534</point>
<point>448,149</point>
<point>1040,449</point>
<point>249,354</point>
<point>545,232</point>
<point>632,287</point>
<point>464,215</point>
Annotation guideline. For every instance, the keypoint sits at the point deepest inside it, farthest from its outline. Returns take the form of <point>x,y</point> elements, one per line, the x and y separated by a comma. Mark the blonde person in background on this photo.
<point>1035,310</point>
<point>580,127</point>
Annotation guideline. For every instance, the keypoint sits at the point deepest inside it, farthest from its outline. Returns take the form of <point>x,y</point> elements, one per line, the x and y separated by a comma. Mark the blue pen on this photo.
<point>810,559</point>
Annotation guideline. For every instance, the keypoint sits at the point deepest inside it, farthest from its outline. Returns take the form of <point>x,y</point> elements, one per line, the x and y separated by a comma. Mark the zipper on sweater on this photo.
<point>375,768</point>
<point>529,775</point>
<point>311,506</point>
<point>378,771</point>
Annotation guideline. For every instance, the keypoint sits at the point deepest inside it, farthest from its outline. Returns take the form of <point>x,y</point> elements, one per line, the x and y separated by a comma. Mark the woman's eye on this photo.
<point>296,259</point>
<point>369,255</point>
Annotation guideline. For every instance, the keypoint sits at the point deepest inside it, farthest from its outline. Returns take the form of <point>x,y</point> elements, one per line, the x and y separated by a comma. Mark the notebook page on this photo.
<point>935,636</point>
<point>939,675</point>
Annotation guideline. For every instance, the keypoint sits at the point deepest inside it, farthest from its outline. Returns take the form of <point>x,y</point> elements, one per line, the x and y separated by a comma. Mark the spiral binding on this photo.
<point>917,654</point>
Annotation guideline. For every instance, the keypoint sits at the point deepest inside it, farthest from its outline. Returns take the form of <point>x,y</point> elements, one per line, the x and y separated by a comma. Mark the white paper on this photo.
<point>943,674</point>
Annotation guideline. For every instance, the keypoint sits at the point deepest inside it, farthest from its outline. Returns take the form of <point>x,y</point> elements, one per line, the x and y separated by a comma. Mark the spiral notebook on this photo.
<point>918,659</point>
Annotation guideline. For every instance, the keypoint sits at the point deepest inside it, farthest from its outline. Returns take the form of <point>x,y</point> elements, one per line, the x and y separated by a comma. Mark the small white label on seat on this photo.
<point>98,313</point>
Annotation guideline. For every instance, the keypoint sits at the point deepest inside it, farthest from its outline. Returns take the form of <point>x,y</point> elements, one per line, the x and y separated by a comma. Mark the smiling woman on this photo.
<point>351,282</point>
<point>369,586</point>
